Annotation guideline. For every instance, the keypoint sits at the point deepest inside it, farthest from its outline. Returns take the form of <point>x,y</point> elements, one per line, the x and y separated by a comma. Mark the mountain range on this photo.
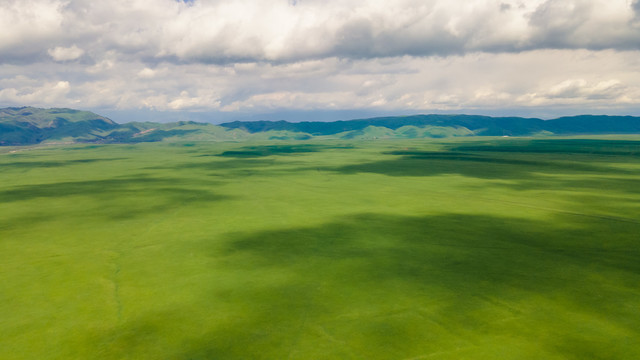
<point>29,125</point>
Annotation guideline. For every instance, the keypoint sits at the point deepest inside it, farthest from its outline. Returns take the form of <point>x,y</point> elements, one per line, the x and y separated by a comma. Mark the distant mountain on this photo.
<point>475,124</point>
<point>479,125</point>
<point>29,125</point>
<point>594,124</point>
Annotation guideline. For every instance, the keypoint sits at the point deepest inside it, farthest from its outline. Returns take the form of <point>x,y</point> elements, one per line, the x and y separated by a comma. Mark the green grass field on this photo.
<point>403,249</point>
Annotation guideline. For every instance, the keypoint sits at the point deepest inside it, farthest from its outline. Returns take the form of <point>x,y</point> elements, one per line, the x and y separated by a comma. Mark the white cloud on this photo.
<point>583,90</point>
<point>146,73</point>
<point>48,94</point>
<point>254,30</point>
<point>60,53</point>
<point>197,102</point>
<point>22,22</point>
<point>251,55</point>
<point>475,81</point>
<point>100,67</point>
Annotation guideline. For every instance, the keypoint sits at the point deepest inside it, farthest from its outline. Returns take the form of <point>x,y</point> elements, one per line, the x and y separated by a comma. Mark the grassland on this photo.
<point>403,249</point>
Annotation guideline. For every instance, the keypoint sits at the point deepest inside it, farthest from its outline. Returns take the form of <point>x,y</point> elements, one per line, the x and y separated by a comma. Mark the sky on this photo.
<point>210,60</point>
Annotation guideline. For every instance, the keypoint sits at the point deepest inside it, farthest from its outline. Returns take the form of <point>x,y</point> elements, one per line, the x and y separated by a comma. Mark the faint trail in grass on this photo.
<point>115,280</point>
<point>461,337</point>
<point>499,303</point>
<point>116,293</point>
<point>353,352</point>
<point>320,329</point>
<point>117,259</point>
<point>303,324</point>
<point>328,336</point>
<point>439,353</point>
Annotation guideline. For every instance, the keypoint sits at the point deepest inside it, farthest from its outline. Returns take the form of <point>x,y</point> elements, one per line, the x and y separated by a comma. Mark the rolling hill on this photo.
<point>29,125</point>
<point>476,124</point>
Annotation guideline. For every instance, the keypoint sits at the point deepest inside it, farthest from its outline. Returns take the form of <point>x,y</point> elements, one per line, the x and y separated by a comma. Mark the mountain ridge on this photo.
<point>31,125</point>
<point>481,125</point>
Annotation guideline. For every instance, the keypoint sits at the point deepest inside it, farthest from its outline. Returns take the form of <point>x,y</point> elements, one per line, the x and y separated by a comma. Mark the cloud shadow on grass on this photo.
<point>116,198</point>
<point>269,150</point>
<point>478,165</point>
<point>227,165</point>
<point>379,286</point>
<point>29,165</point>
<point>234,168</point>
<point>557,146</point>
<point>570,165</point>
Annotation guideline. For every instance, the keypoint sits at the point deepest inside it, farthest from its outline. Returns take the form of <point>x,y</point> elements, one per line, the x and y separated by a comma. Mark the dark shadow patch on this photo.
<point>27,165</point>
<point>519,160</point>
<point>88,147</point>
<point>429,165</point>
<point>101,188</point>
<point>269,150</point>
<point>234,168</point>
<point>494,244</point>
<point>557,146</point>
<point>460,156</point>
<point>227,164</point>
<point>119,198</point>
<point>428,285</point>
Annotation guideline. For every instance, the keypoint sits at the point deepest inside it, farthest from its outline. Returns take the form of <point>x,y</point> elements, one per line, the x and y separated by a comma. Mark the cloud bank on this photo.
<point>251,55</point>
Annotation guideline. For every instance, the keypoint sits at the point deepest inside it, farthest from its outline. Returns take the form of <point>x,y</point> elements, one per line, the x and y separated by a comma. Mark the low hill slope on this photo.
<point>480,125</point>
<point>456,125</point>
<point>134,132</point>
<point>28,125</point>
<point>594,124</point>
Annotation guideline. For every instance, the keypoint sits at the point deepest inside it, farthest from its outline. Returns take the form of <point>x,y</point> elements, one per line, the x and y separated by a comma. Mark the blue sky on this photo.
<point>321,60</point>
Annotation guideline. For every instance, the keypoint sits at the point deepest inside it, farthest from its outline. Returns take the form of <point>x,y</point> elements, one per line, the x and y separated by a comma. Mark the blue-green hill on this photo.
<point>29,125</point>
<point>480,125</point>
<point>476,124</point>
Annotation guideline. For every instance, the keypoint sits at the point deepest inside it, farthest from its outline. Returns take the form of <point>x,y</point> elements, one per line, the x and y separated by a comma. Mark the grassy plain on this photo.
<point>403,249</point>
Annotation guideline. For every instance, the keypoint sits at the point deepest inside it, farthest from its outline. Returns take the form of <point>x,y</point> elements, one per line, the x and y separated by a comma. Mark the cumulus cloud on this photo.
<point>251,55</point>
<point>219,32</point>
<point>60,53</point>
<point>211,31</point>
<point>44,94</point>
<point>475,81</point>
<point>146,73</point>
<point>26,28</point>
<point>580,88</point>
